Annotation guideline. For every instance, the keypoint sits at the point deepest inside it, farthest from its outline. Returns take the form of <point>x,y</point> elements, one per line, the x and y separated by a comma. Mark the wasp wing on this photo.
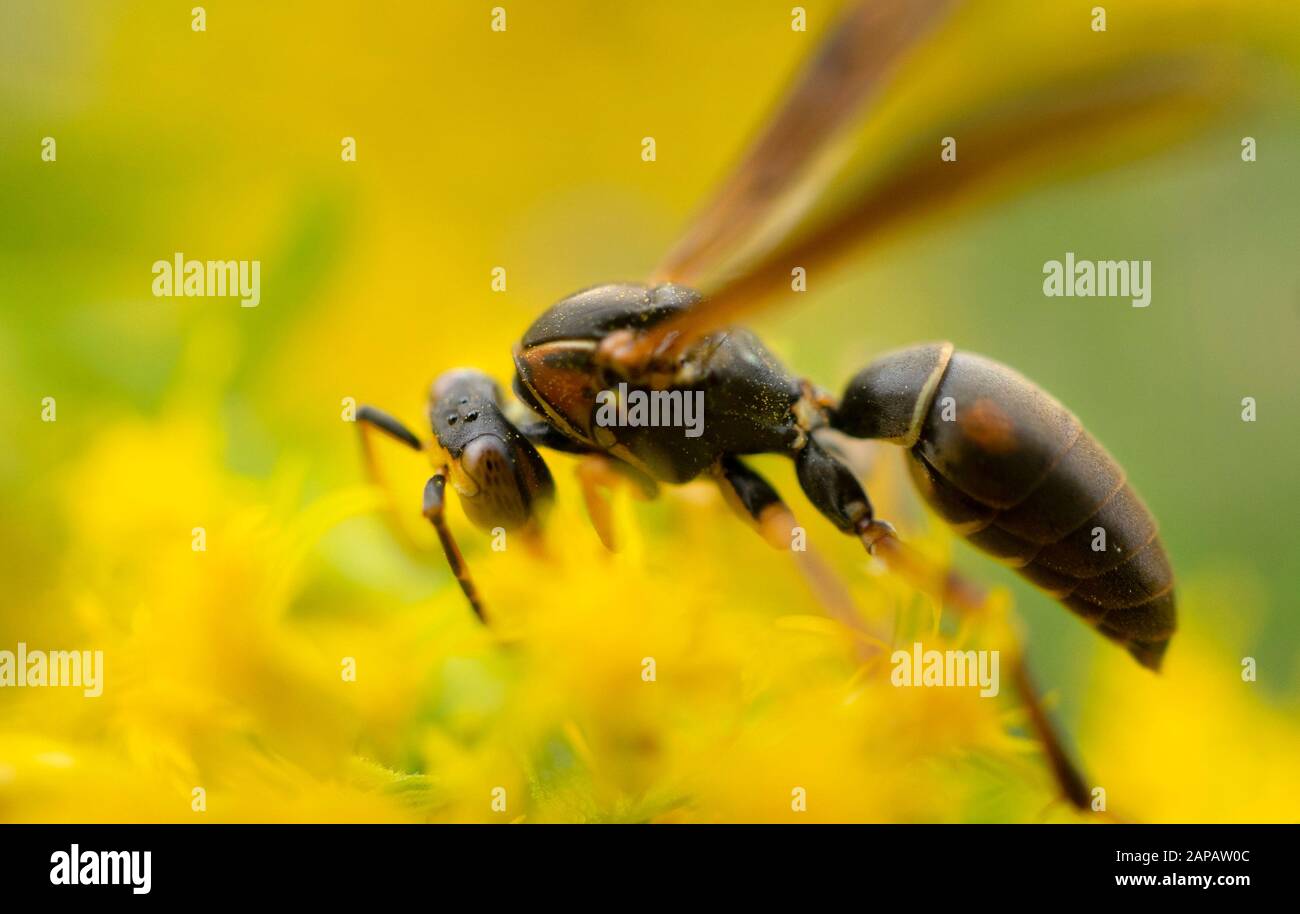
<point>1067,106</point>
<point>796,152</point>
<point>1000,149</point>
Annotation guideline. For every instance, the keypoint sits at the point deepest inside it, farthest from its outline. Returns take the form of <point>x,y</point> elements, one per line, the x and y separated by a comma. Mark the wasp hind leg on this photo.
<point>831,486</point>
<point>835,491</point>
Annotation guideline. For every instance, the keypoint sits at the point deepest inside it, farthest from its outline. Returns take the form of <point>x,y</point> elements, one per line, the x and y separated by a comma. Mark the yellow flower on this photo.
<point>301,667</point>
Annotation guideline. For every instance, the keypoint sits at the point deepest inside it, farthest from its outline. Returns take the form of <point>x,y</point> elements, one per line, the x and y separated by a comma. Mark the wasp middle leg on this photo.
<point>755,500</point>
<point>599,476</point>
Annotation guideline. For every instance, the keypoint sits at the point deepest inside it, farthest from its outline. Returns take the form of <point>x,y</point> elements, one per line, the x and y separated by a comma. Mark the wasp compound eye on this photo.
<point>502,480</point>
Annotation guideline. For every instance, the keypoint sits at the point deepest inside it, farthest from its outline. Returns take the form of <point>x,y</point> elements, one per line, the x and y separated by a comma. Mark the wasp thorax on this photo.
<point>559,371</point>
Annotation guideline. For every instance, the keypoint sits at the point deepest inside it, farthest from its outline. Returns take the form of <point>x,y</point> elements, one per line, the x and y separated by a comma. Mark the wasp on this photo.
<point>998,458</point>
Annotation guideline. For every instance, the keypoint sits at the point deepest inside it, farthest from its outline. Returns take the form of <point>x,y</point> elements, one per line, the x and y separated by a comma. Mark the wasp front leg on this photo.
<point>434,510</point>
<point>371,420</point>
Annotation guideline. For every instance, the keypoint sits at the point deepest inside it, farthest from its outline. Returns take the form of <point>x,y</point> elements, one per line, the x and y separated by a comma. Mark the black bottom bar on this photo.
<point>544,864</point>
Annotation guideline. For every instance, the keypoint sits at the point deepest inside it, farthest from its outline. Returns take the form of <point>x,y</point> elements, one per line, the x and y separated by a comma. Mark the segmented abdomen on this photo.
<point>1017,474</point>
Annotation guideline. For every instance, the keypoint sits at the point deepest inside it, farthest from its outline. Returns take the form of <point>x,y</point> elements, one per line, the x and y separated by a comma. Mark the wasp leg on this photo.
<point>368,417</point>
<point>754,500</point>
<point>1068,777</point>
<point>969,598</point>
<point>599,475</point>
<point>835,491</point>
<point>832,487</point>
<point>435,512</point>
<point>370,421</point>
<point>951,588</point>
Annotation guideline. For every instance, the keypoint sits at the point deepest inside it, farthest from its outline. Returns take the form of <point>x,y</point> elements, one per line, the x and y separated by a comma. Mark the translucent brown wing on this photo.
<point>1059,128</point>
<point>796,150</point>
<point>1045,117</point>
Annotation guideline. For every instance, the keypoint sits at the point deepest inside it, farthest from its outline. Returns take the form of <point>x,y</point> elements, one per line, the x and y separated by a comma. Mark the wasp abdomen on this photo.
<point>1017,474</point>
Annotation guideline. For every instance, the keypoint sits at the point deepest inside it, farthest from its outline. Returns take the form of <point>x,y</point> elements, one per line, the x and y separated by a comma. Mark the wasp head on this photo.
<point>500,477</point>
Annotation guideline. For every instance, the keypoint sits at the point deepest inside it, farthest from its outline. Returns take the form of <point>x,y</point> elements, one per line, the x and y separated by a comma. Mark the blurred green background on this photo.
<point>522,149</point>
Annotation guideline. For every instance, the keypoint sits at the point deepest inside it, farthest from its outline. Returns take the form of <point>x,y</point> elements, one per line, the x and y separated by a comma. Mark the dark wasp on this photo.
<point>998,458</point>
